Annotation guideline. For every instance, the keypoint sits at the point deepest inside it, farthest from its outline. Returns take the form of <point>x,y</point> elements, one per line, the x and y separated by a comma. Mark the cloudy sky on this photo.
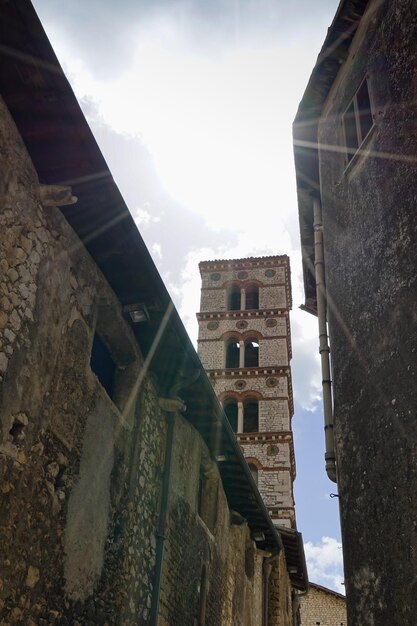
<point>191,102</point>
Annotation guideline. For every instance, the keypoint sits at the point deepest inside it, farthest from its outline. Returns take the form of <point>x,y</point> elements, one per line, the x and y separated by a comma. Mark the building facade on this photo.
<point>322,607</point>
<point>245,346</point>
<point>355,154</point>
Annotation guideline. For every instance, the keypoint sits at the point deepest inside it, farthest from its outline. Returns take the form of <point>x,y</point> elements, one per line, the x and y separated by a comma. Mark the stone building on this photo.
<point>124,497</point>
<point>323,607</point>
<point>355,155</point>
<point>244,344</point>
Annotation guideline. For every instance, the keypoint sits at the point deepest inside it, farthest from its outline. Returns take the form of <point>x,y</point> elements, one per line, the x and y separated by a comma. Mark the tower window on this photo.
<point>252,297</point>
<point>251,416</point>
<point>230,408</point>
<point>233,298</point>
<point>232,354</point>
<point>357,120</point>
<point>251,353</point>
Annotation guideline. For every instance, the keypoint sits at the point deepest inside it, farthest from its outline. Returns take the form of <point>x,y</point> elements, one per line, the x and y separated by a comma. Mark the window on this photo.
<point>232,353</point>
<point>251,353</point>
<point>230,408</point>
<point>233,298</point>
<point>250,416</point>
<point>102,364</point>
<point>357,120</point>
<point>203,589</point>
<point>252,297</point>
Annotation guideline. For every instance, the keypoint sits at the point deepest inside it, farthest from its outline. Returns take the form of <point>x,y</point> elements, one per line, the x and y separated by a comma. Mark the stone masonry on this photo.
<point>322,607</point>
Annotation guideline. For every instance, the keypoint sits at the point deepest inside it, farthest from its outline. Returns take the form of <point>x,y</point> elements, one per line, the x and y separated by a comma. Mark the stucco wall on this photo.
<point>370,237</point>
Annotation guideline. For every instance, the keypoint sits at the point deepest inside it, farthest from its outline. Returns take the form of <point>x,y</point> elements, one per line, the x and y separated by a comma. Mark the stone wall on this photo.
<point>269,386</point>
<point>255,272</point>
<point>216,328</point>
<point>81,463</point>
<point>322,607</point>
<point>370,241</point>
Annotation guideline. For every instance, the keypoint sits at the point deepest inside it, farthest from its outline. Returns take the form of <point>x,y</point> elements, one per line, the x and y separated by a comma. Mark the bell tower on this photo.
<point>245,346</point>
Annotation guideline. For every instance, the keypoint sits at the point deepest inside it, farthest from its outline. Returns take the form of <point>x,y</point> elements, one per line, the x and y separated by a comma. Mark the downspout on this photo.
<point>171,407</point>
<point>324,349</point>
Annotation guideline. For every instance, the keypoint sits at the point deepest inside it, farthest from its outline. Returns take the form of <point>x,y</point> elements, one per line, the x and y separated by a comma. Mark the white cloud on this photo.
<point>156,251</point>
<point>325,563</point>
<point>143,216</point>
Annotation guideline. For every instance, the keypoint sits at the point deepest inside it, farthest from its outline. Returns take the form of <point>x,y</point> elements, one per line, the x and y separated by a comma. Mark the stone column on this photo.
<point>242,299</point>
<point>240,417</point>
<point>241,353</point>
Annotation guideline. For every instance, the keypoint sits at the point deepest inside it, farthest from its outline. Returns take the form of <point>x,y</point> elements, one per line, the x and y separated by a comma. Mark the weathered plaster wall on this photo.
<point>370,235</point>
<point>322,607</point>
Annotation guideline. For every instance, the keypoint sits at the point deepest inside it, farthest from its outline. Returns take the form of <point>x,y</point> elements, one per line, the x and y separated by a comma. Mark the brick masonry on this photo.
<point>322,607</point>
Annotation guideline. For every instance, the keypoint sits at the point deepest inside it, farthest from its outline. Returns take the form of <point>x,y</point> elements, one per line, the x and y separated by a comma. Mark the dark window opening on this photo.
<point>251,416</point>
<point>364,109</point>
<point>201,481</point>
<point>252,297</point>
<point>357,120</point>
<point>351,135</point>
<point>102,364</point>
<point>232,354</point>
<point>251,353</point>
<point>233,298</point>
<point>203,596</point>
<point>230,408</point>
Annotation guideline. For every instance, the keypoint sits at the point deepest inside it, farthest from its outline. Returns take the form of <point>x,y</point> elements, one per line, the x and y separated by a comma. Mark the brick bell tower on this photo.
<point>245,346</point>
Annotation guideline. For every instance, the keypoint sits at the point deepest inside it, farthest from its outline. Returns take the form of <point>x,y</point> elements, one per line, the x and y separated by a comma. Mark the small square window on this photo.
<point>357,120</point>
<point>102,364</point>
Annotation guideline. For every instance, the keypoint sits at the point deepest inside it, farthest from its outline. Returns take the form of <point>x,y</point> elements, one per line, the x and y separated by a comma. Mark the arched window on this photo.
<point>230,408</point>
<point>254,472</point>
<point>251,353</point>
<point>233,298</point>
<point>252,297</point>
<point>232,353</point>
<point>250,416</point>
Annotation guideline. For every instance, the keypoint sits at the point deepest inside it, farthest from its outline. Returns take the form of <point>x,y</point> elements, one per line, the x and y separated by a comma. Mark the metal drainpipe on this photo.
<point>324,349</point>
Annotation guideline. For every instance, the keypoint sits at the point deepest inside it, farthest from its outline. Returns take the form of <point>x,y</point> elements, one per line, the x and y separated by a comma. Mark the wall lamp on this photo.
<point>221,458</point>
<point>137,312</point>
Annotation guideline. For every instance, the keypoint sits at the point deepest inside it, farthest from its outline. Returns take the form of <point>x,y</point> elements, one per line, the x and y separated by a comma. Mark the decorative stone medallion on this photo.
<point>271,382</point>
<point>272,450</point>
<point>270,322</point>
<point>270,273</point>
<point>242,275</point>
<point>241,324</point>
<point>215,276</point>
<point>212,325</point>
<point>240,384</point>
